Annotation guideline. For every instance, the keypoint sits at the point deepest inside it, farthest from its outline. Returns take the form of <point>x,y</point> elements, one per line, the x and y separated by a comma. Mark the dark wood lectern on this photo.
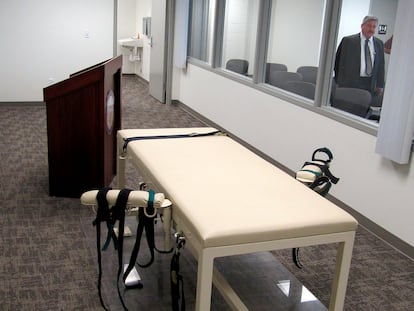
<point>83,116</point>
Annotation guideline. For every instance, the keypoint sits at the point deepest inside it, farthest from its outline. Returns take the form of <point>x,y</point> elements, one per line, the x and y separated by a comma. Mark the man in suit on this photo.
<point>359,61</point>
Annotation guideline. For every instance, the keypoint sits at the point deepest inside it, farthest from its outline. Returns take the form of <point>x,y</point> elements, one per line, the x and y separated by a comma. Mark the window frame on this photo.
<point>320,104</point>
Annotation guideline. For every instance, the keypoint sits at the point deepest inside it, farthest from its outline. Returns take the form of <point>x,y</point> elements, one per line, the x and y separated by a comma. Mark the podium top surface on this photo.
<point>83,77</point>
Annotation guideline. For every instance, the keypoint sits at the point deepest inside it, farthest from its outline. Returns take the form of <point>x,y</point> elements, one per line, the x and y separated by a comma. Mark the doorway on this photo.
<point>152,20</point>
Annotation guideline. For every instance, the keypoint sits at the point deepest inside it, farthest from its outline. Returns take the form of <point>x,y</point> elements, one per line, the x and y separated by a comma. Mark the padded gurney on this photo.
<point>227,200</point>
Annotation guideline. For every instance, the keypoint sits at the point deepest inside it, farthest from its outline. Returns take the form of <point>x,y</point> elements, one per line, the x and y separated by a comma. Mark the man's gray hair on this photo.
<point>369,18</point>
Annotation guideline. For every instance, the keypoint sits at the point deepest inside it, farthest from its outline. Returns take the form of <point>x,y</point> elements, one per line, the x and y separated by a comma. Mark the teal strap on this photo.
<point>317,174</point>
<point>111,234</point>
<point>151,196</point>
<point>150,205</point>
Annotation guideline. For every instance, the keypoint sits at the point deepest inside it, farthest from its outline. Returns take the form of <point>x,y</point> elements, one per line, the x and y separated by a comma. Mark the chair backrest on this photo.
<point>238,65</point>
<point>333,88</point>
<point>352,100</point>
<point>280,78</point>
<point>309,73</point>
<point>270,67</point>
<point>302,88</point>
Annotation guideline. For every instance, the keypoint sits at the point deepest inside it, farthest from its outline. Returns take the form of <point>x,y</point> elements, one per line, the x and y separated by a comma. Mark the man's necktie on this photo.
<point>368,60</point>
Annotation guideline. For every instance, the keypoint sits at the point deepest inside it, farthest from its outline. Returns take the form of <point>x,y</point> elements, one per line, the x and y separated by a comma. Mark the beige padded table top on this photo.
<point>228,195</point>
<point>229,201</point>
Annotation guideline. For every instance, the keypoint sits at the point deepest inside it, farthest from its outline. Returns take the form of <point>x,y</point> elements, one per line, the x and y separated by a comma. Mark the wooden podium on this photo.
<point>83,117</point>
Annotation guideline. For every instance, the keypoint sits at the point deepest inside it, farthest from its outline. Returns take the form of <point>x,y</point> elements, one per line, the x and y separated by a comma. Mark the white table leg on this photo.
<point>343,264</point>
<point>120,169</point>
<point>204,280</point>
<point>229,295</point>
<point>167,227</point>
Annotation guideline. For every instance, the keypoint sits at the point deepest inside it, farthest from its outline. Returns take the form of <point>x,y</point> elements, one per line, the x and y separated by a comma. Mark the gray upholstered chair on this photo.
<point>281,78</point>
<point>352,100</point>
<point>270,67</point>
<point>309,73</point>
<point>302,88</point>
<point>240,66</point>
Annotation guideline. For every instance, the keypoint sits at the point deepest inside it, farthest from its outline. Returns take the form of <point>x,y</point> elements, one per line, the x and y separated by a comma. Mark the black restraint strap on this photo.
<point>147,223</point>
<point>176,281</point>
<point>129,139</point>
<point>119,213</point>
<point>101,215</point>
<point>323,150</point>
<point>295,257</point>
<point>110,216</point>
<point>325,169</point>
<point>321,185</point>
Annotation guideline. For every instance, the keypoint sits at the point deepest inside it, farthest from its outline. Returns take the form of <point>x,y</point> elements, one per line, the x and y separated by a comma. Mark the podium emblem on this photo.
<point>109,111</point>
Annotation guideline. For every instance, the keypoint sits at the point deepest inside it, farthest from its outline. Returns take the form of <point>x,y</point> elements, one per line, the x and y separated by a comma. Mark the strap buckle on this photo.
<point>179,241</point>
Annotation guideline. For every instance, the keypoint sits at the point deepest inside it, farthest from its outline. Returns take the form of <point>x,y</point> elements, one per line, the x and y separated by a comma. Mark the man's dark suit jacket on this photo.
<point>348,61</point>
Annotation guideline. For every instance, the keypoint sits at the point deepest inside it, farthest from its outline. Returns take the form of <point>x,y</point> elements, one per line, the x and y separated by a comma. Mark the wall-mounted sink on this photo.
<point>131,42</point>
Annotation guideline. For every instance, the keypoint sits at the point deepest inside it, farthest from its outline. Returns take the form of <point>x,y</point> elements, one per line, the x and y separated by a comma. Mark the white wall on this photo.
<point>44,41</point>
<point>295,41</point>
<point>386,11</point>
<point>143,10</point>
<point>373,186</point>
<point>126,28</point>
<point>240,31</point>
<point>130,14</point>
<point>352,13</point>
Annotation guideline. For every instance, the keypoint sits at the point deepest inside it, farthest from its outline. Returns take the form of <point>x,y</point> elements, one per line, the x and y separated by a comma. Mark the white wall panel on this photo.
<point>143,10</point>
<point>295,35</point>
<point>44,41</point>
<point>352,14</point>
<point>126,28</point>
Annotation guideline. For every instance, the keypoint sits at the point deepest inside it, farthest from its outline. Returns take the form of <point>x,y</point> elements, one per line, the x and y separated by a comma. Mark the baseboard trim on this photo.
<point>386,236</point>
<point>135,75</point>
<point>383,234</point>
<point>22,104</point>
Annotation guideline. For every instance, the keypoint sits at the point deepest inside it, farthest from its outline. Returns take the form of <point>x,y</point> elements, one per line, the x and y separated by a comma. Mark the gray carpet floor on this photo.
<point>46,261</point>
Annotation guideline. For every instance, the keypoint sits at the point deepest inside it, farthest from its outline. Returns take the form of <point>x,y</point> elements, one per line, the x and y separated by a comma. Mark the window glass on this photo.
<point>294,45</point>
<point>361,66</point>
<point>201,28</point>
<point>239,36</point>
